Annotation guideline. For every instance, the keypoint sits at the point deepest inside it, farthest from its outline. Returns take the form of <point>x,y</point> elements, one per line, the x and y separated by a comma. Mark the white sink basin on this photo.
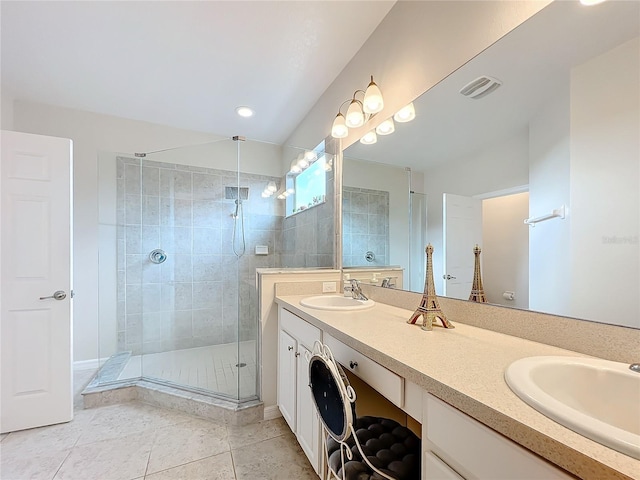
<point>336,302</point>
<point>597,398</point>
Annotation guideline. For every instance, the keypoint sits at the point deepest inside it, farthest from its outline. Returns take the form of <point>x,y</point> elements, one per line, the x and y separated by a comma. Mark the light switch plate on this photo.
<point>329,287</point>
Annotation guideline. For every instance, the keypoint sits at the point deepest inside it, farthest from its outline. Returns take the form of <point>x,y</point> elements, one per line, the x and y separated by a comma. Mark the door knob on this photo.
<point>448,277</point>
<point>59,295</point>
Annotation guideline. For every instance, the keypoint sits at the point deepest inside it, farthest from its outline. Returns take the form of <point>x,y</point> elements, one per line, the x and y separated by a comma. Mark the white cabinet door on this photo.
<point>307,421</point>
<point>287,347</point>
<point>436,469</point>
<point>35,259</point>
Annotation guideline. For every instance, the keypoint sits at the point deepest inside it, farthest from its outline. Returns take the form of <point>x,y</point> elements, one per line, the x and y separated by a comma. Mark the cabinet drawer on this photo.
<point>302,330</point>
<point>472,448</point>
<point>378,377</point>
<point>436,469</point>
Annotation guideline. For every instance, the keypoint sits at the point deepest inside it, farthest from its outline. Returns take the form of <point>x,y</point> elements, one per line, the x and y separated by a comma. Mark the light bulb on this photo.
<point>339,129</point>
<point>369,138</point>
<point>294,167</point>
<point>373,102</point>
<point>405,114</point>
<point>355,116</point>
<point>302,162</point>
<point>386,127</point>
<point>271,186</point>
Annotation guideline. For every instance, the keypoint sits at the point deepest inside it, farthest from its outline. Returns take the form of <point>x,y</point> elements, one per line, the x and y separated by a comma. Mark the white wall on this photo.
<point>93,134</point>
<point>500,167</point>
<point>549,249</point>
<point>505,249</point>
<point>394,180</point>
<point>605,187</point>
<point>414,47</point>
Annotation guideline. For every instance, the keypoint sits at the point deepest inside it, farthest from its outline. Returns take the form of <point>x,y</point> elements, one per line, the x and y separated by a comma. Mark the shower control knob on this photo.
<point>448,277</point>
<point>59,295</point>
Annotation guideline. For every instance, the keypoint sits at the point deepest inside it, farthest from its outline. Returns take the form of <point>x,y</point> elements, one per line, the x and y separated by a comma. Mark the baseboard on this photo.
<point>91,364</point>
<point>272,412</point>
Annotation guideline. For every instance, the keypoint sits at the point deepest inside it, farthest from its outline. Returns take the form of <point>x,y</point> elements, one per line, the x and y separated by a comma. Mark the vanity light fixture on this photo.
<point>386,128</point>
<point>369,138</point>
<point>244,111</point>
<point>405,114</point>
<point>358,112</point>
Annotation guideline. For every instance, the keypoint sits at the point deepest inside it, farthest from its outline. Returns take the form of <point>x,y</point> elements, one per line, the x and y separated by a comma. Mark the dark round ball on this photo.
<point>375,476</point>
<point>399,449</point>
<point>412,443</point>
<point>364,422</point>
<point>412,460</point>
<point>387,440</point>
<point>386,456</point>
<point>389,424</point>
<point>374,444</point>
<point>332,445</point>
<point>352,468</point>
<point>401,432</point>
<point>356,454</point>
<point>375,461</point>
<point>403,471</point>
<point>363,435</point>
<point>335,462</point>
<point>376,429</point>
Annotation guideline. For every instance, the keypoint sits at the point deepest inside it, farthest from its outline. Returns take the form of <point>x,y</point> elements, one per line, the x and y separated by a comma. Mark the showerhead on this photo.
<point>231,193</point>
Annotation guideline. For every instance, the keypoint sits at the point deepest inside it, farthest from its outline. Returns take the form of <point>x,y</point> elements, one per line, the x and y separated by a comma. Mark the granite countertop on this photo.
<point>465,368</point>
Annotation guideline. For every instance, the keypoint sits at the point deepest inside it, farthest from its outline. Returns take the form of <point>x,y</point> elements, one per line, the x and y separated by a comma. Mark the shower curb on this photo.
<point>219,410</point>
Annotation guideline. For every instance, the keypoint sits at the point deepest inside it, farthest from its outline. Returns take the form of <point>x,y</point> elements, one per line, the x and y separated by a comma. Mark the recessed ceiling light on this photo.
<point>244,111</point>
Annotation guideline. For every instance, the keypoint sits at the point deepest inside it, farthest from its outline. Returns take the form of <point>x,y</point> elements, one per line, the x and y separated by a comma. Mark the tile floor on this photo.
<point>135,441</point>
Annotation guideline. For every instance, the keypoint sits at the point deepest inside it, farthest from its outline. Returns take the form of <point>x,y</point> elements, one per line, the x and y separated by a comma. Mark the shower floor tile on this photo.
<point>213,368</point>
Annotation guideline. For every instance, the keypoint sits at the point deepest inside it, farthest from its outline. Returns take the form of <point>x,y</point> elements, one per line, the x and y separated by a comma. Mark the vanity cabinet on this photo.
<point>295,339</point>
<point>456,446</point>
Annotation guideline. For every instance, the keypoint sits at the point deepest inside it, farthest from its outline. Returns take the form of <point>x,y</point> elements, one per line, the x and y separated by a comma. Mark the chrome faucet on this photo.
<point>356,291</point>
<point>386,282</point>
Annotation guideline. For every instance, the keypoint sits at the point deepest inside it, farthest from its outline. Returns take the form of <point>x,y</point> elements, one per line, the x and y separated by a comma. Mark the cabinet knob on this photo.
<point>289,348</point>
<point>353,364</point>
<point>297,354</point>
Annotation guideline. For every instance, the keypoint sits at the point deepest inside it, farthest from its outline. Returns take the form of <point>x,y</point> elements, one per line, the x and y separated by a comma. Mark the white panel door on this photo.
<point>462,230</point>
<point>35,261</point>
<point>287,346</point>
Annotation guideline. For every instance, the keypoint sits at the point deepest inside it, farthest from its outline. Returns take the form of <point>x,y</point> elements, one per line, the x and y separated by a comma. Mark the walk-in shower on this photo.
<point>178,237</point>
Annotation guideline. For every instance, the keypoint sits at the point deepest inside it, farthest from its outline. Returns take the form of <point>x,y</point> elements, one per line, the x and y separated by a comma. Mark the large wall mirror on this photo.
<point>560,135</point>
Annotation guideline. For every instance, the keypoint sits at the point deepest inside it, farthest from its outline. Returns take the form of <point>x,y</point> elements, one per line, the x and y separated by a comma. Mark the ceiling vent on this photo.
<point>480,87</point>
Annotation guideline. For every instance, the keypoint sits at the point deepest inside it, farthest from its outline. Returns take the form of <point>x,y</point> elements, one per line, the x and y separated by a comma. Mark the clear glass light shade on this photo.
<point>386,127</point>
<point>266,194</point>
<point>373,102</point>
<point>282,196</point>
<point>339,128</point>
<point>369,138</point>
<point>405,114</point>
<point>271,187</point>
<point>355,115</point>
<point>311,155</point>
<point>302,161</point>
<point>294,167</point>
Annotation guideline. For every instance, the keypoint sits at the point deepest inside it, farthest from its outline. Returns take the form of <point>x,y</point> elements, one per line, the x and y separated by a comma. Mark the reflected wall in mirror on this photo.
<point>562,130</point>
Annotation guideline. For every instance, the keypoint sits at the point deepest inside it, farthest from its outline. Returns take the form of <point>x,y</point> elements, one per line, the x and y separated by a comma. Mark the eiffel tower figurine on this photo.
<point>429,307</point>
<point>477,291</point>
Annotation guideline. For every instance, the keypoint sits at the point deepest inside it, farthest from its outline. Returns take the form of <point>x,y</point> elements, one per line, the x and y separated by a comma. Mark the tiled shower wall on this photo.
<point>365,226</point>
<point>202,294</point>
